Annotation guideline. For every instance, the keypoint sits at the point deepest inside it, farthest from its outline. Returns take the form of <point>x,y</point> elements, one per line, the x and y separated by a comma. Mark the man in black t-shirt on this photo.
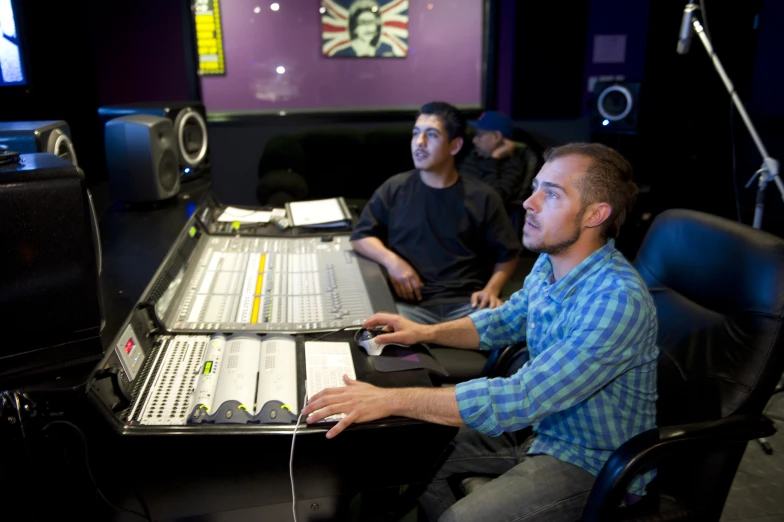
<point>445,240</point>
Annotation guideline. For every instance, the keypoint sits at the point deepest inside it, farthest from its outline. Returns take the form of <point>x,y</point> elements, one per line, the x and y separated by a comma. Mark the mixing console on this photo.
<point>270,284</point>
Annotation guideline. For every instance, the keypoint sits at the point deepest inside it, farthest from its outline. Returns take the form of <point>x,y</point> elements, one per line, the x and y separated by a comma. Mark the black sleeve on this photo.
<point>484,170</point>
<point>510,178</point>
<point>499,232</point>
<point>494,180</point>
<point>374,220</point>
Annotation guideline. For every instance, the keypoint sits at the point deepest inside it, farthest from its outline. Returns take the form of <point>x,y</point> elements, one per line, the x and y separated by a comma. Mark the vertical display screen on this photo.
<point>209,37</point>
<point>11,66</point>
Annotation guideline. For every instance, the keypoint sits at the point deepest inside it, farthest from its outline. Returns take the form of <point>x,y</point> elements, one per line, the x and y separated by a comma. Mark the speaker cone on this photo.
<point>615,102</point>
<point>191,130</point>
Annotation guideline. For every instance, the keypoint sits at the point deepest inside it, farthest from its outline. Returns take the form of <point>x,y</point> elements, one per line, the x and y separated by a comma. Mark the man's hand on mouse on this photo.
<point>359,401</point>
<point>400,330</point>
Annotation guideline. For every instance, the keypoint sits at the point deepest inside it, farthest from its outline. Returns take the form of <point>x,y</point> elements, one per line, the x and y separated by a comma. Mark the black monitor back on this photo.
<point>50,304</point>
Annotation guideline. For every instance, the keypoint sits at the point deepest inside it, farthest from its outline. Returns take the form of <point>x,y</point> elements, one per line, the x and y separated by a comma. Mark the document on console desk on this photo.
<point>245,215</point>
<point>319,213</point>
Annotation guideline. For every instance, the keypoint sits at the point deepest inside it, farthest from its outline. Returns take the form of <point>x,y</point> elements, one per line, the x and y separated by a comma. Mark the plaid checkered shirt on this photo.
<point>590,383</point>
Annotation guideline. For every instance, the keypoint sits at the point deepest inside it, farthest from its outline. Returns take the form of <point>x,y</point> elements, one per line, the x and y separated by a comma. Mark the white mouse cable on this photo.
<point>291,456</point>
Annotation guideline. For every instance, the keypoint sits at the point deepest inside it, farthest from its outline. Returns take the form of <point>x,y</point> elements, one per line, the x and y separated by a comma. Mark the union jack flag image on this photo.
<point>364,28</point>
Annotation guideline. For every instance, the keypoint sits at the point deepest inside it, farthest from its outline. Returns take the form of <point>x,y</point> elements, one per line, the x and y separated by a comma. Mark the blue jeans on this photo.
<point>434,314</point>
<point>527,487</point>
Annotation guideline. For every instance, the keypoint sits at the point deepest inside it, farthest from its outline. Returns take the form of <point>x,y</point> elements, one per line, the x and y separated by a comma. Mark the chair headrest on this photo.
<point>689,251</point>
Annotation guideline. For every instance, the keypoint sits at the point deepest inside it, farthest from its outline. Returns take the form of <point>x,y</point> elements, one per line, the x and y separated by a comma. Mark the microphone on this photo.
<point>684,40</point>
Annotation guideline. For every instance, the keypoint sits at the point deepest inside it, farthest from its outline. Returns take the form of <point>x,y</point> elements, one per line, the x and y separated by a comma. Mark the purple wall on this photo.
<point>444,60</point>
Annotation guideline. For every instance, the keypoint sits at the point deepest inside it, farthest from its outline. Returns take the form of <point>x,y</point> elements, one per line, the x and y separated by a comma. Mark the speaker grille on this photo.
<point>169,169</point>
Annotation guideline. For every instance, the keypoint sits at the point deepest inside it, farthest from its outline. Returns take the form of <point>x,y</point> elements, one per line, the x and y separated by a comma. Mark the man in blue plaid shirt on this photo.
<point>590,384</point>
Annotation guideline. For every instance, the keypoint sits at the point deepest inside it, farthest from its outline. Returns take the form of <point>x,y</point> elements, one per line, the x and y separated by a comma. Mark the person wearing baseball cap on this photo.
<point>493,159</point>
<point>494,122</point>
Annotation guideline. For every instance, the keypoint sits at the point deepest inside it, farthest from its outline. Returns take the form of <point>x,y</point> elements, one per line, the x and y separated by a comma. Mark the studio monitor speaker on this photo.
<point>28,137</point>
<point>190,131</point>
<point>615,107</point>
<point>50,300</point>
<point>141,159</point>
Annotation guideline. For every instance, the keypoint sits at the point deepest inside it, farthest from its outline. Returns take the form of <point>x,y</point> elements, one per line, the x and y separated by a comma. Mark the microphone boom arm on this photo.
<point>770,166</point>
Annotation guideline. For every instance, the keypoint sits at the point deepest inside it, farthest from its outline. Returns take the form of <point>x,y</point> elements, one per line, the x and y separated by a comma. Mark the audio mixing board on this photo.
<point>268,284</point>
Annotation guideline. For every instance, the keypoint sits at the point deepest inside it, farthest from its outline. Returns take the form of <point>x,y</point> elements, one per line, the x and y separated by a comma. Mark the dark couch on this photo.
<point>350,163</point>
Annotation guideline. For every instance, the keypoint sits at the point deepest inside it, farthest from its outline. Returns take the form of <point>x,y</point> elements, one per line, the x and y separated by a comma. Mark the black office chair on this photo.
<point>719,293</point>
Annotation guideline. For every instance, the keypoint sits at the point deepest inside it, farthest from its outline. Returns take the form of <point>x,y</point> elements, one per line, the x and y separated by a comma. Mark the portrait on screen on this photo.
<point>11,71</point>
<point>364,28</point>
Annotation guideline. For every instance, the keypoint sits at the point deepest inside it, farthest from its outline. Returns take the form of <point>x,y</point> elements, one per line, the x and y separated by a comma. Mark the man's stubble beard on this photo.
<point>561,246</point>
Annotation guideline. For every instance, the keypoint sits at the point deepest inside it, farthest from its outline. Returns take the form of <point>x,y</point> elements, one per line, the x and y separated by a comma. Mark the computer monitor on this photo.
<point>12,69</point>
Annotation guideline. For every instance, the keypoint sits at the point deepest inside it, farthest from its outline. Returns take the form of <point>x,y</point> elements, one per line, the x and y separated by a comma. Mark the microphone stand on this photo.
<point>770,167</point>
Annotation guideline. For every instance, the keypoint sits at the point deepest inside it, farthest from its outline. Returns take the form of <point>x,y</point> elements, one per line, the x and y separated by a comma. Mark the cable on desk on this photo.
<point>291,456</point>
<point>12,399</point>
<point>146,515</point>
<point>332,332</point>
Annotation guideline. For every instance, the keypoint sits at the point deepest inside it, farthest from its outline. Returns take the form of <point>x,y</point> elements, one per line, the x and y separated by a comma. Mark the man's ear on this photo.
<point>596,214</point>
<point>455,145</point>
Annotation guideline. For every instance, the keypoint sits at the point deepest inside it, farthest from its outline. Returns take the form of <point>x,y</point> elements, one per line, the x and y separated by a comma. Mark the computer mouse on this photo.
<point>366,339</point>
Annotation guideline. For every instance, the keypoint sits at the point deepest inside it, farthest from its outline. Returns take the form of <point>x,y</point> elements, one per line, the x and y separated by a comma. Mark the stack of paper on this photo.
<point>319,213</point>
<point>244,215</point>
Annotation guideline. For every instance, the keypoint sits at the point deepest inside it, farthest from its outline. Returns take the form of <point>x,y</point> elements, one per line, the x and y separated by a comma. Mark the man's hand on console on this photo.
<point>359,401</point>
<point>401,330</point>
<point>405,279</point>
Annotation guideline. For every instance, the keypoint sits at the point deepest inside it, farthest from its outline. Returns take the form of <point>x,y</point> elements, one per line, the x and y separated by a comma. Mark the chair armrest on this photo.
<point>639,452</point>
<point>499,360</point>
